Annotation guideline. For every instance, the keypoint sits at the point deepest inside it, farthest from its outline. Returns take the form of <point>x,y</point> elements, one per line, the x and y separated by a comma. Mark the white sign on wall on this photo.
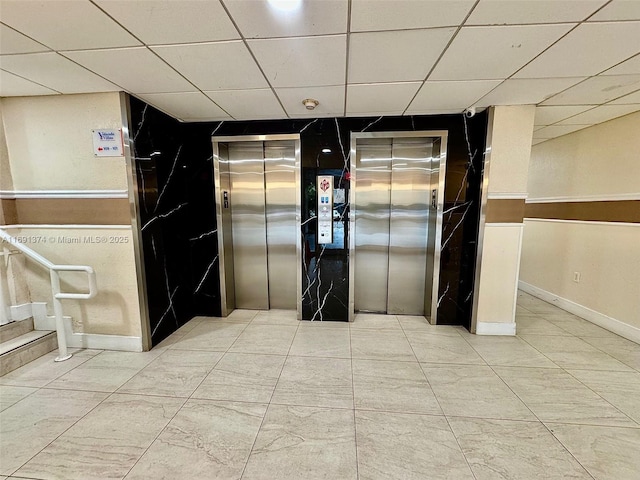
<point>107,142</point>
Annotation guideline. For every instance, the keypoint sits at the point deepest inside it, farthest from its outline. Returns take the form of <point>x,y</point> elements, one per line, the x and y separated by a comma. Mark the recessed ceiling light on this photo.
<point>326,150</point>
<point>285,5</point>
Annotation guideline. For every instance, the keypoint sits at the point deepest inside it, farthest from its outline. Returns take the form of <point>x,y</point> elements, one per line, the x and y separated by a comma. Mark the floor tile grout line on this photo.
<point>424,374</point>
<point>600,396</point>
<point>35,389</point>
<point>185,400</point>
<point>62,433</point>
<point>578,338</point>
<point>607,353</point>
<point>540,421</point>
<point>178,410</point>
<point>536,416</point>
<point>594,425</point>
<point>568,451</point>
<point>71,370</point>
<point>522,340</point>
<point>70,426</point>
<point>353,397</point>
<point>266,411</point>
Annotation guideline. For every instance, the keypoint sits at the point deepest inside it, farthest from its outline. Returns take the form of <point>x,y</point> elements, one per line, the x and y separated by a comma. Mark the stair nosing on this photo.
<point>29,337</point>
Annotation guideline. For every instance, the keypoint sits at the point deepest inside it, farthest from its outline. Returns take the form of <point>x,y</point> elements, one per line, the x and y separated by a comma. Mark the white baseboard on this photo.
<point>85,340</point>
<point>616,326</point>
<point>495,328</point>
<point>37,310</point>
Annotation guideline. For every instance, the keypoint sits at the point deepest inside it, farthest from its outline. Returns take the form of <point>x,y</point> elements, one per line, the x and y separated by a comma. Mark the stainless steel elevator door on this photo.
<point>263,221</point>
<point>248,220</point>
<point>392,210</point>
<point>373,182</point>
<point>280,199</point>
<point>410,195</point>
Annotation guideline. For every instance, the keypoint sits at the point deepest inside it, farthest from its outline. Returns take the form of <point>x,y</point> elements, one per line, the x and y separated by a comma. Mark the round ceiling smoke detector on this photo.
<point>310,103</point>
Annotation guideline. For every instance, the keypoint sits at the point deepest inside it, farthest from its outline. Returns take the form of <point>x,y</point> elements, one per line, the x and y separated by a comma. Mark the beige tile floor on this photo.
<point>259,395</point>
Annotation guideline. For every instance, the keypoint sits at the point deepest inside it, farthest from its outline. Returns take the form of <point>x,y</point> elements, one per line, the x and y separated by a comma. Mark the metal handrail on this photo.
<point>56,293</point>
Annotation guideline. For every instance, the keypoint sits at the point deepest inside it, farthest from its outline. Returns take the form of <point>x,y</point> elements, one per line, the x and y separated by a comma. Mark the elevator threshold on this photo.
<point>266,317</point>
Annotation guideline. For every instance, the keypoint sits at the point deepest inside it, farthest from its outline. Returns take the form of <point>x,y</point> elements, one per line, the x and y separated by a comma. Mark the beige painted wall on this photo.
<point>603,161</point>
<point>6,181</point>
<point>606,255</point>
<point>510,148</point>
<point>50,142</point>
<point>499,273</point>
<point>600,160</point>
<point>115,310</point>
<point>50,150</point>
<point>17,288</point>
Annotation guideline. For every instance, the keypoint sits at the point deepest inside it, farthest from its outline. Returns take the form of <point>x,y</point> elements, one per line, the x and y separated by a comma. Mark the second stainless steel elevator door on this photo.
<point>392,211</point>
<point>280,200</point>
<point>263,219</point>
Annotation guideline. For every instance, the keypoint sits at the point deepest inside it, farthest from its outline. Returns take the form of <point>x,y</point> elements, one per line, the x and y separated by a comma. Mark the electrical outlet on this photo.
<point>576,277</point>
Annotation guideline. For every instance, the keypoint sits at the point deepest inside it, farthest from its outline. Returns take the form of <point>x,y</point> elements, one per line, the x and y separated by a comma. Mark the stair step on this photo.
<point>21,350</point>
<point>24,339</point>
<point>15,329</point>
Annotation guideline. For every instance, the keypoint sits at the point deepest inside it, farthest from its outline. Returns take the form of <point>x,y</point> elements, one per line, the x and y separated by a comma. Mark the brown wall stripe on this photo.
<point>627,211</point>
<point>67,211</point>
<point>504,210</point>
<point>9,212</point>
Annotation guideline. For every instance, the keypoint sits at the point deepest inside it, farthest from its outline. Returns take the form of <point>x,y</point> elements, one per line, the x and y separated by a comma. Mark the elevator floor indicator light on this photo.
<point>325,209</point>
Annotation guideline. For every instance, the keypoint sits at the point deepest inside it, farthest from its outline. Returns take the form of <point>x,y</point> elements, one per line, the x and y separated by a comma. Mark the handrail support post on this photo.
<point>63,354</point>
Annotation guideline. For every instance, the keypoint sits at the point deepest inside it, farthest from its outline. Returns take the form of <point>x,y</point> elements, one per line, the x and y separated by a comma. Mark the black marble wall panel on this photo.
<point>175,180</point>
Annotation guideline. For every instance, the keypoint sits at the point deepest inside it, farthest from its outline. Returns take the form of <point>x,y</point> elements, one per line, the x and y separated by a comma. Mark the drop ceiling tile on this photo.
<point>600,114</point>
<point>402,14</point>
<point>56,72</point>
<point>65,24</point>
<point>510,12</point>
<point>258,19</point>
<point>398,56</point>
<point>137,70</point>
<point>193,106</point>
<point>618,10</point>
<point>15,42</point>
<point>159,22</point>
<point>597,90</point>
<point>587,50</point>
<point>522,91</point>
<point>554,131</point>
<point>248,104</point>
<point>552,114</point>
<point>302,61</point>
<point>450,95</point>
<point>331,101</point>
<point>215,66</point>
<point>380,98</point>
<point>628,67</point>
<point>489,53</point>
<point>633,98</point>
<point>14,86</point>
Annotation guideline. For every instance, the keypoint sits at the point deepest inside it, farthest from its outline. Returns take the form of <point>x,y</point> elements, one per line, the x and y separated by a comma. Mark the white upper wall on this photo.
<point>510,148</point>
<point>6,182</point>
<point>50,143</point>
<point>601,161</point>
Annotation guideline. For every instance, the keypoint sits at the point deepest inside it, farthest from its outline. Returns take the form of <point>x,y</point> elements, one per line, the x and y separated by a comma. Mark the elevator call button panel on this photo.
<point>325,208</point>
